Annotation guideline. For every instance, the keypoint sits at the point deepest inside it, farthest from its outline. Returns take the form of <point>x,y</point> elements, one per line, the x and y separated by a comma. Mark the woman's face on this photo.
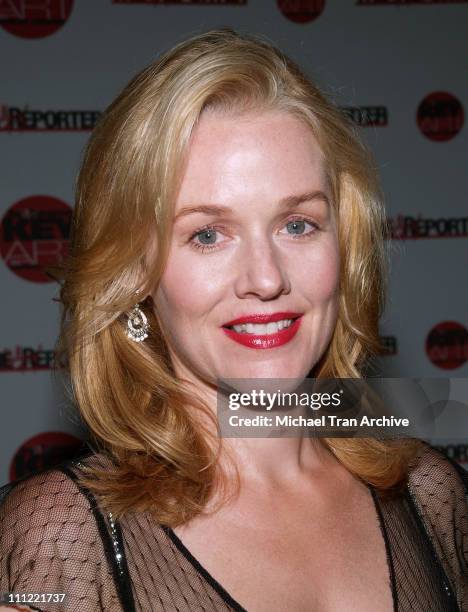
<point>254,245</point>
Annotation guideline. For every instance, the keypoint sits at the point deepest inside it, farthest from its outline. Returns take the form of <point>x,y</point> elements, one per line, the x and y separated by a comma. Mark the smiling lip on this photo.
<point>263,318</point>
<point>264,341</point>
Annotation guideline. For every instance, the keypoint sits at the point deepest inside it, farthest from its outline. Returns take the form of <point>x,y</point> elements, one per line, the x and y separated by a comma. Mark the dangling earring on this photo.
<point>137,324</point>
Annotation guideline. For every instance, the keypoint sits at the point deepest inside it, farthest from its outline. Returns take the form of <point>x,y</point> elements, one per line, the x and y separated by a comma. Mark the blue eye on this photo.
<point>297,226</point>
<point>301,228</point>
<point>207,236</point>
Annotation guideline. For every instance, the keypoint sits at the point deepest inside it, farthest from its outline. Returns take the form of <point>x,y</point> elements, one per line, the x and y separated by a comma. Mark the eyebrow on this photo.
<point>285,203</point>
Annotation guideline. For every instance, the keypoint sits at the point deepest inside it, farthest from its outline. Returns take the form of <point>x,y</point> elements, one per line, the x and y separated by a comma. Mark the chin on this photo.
<point>269,371</point>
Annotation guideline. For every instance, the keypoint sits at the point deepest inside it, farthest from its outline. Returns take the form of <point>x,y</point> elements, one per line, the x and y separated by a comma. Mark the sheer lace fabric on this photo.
<point>54,538</point>
<point>50,544</point>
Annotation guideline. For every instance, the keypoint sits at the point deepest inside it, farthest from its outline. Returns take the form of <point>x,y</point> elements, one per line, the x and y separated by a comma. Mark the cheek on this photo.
<point>188,289</point>
<point>319,274</point>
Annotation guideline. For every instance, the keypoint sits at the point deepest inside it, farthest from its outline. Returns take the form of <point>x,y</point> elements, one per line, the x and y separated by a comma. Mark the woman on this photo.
<point>228,225</point>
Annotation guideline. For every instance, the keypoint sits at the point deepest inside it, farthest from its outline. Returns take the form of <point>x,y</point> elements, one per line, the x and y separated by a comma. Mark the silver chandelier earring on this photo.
<point>137,324</point>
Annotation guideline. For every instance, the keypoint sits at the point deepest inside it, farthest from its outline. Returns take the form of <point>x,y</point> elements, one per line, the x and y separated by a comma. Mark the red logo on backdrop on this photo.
<point>301,11</point>
<point>16,119</point>
<point>205,2</point>
<point>406,227</point>
<point>34,235</point>
<point>45,450</point>
<point>447,345</point>
<point>34,18</point>
<point>440,116</point>
<point>27,359</point>
<point>404,2</point>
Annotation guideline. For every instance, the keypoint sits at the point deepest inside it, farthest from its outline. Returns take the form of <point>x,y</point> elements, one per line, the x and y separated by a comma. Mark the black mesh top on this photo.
<point>55,539</point>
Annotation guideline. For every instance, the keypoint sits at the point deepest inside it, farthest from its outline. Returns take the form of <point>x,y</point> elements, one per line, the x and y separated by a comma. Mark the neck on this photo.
<point>265,463</point>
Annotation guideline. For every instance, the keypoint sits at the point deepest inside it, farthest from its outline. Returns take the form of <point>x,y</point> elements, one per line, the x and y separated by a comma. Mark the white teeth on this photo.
<point>240,329</point>
<point>262,328</point>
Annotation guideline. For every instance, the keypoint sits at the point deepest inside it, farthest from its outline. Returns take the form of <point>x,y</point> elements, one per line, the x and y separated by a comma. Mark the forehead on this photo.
<point>250,157</point>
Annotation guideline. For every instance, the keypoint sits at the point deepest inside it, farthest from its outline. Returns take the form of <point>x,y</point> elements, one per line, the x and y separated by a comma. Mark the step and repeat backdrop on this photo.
<point>397,67</point>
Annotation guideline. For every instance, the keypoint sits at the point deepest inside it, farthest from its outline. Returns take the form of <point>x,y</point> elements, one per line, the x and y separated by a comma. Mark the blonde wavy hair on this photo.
<point>137,411</point>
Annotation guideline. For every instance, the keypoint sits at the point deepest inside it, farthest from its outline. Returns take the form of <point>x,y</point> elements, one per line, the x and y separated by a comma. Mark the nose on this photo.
<point>262,271</point>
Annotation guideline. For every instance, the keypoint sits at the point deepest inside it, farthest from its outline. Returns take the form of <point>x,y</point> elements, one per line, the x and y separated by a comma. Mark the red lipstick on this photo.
<point>264,341</point>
